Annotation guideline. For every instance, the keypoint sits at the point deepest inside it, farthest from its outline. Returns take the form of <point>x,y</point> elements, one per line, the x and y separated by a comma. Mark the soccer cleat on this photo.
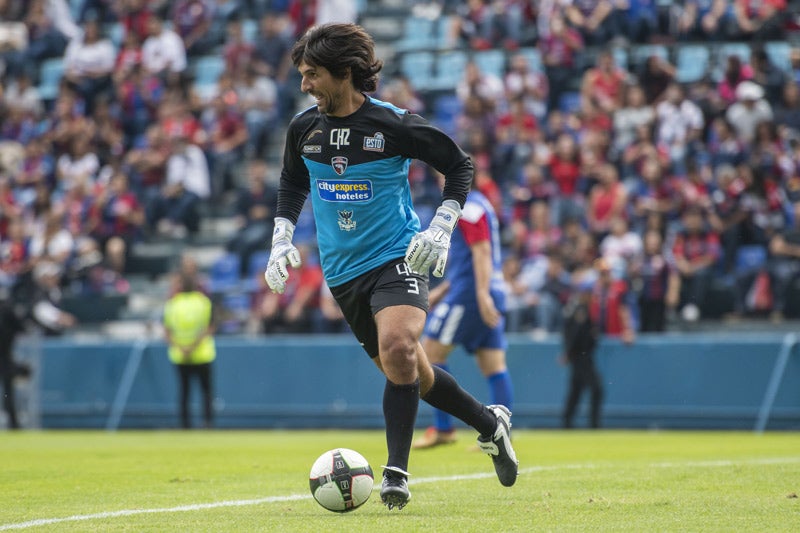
<point>394,490</point>
<point>433,437</point>
<point>498,446</point>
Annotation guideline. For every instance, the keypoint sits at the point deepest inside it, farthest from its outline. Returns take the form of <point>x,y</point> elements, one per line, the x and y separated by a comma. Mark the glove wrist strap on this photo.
<point>447,215</point>
<point>284,230</point>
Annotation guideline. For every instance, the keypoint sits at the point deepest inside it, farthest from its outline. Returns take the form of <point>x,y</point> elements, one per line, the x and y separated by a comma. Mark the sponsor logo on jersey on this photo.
<point>374,143</point>
<point>344,191</point>
<point>339,164</point>
<point>340,137</point>
<point>312,149</point>
<point>345,220</point>
<point>312,134</point>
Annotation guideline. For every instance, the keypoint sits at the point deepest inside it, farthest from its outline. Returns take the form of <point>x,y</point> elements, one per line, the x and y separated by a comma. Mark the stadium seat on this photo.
<point>491,62</point>
<point>570,101</point>
<point>224,273</point>
<point>534,57</point>
<point>639,54</point>
<point>418,68</point>
<point>249,30</point>
<point>620,57</point>
<point>727,49</point>
<point>692,62</point>
<point>208,69</point>
<point>450,68</point>
<point>445,110</point>
<point>418,34</point>
<point>50,73</point>
<point>778,53</point>
<point>750,258</point>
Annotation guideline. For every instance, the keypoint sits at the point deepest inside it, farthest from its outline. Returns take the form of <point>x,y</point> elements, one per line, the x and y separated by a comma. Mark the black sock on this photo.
<point>446,394</point>
<point>400,403</point>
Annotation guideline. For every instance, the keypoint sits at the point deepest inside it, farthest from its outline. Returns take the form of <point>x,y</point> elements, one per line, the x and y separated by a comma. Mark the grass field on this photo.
<point>258,481</point>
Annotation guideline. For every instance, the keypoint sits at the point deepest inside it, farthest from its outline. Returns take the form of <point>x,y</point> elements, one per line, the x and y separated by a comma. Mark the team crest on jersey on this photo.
<point>339,164</point>
<point>346,222</point>
<point>374,143</point>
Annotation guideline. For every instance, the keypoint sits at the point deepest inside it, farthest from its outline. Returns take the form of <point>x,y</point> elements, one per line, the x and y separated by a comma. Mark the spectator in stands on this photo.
<point>735,72</point>
<point>522,81</point>
<point>727,215</point>
<point>258,101</point>
<point>46,307</point>
<point>147,161</point>
<point>330,318</point>
<point>189,326</point>
<point>237,52</point>
<point>608,200</point>
<point>255,209</point>
<point>564,168</point>
<point>700,20</point>
<point>15,259</point>
<point>517,133</point>
<point>784,264</point>
<point>22,95</point>
<point>536,234</point>
<point>138,95</point>
<point>559,49</point>
<point>228,137</point>
<point>596,20</point>
<point>749,110</point>
<point>787,108</point>
<point>602,86</point>
<point>639,19</point>
<point>655,74</point>
<point>768,75</point>
<point>680,125</point>
<point>609,304</point>
<point>553,293</point>
<point>118,224</point>
<point>724,147</point>
<point>695,251</point>
<point>271,59</point>
<point>79,165</point>
<point>759,20</point>
<point>175,211</point>
<point>521,282</point>
<point>294,310</point>
<point>486,86</point>
<point>765,202</point>
<point>192,21</point>
<point>163,52</point>
<point>658,282</point>
<point>303,15</point>
<point>88,64</point>
<point>622,248</point>
<point>134,16</point>
<point>634,112</point>
<point>473,24</point>
<point>533,187</point>
<point>50,27</point>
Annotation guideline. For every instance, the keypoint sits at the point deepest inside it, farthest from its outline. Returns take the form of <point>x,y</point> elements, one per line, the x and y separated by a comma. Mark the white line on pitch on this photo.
<point>412,481</point>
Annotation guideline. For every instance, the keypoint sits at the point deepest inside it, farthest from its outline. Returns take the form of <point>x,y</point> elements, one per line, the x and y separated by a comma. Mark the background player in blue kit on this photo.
<point>351,153</point>
<point>474,283</point>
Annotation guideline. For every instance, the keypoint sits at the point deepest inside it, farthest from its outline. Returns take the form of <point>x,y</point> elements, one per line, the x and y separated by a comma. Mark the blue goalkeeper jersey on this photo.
<point>355,169</point>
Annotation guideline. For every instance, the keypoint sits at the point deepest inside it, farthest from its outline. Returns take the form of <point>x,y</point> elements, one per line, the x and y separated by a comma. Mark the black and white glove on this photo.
<point>433,243</point>
<point>283,251</point>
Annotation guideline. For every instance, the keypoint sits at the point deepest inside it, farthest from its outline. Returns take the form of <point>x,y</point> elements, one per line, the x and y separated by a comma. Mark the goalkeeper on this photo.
<point>351,153</point>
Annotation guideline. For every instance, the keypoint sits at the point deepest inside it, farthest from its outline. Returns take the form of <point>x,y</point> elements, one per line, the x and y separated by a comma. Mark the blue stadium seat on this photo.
<point>418,34</point>
<point>418,68</point>
<point>692,62</point>
<point>570,101</point>
<point>778,53</point>
<point>727,49</point>
<point>750,258</point>
<point>445,110</point>
<point>224,273</point>
<point>249,30</point>
<point>491,62</point>
<point>450,68</point>
<point>50,73</point>
<point>208,69</point>
<point>639,54</point>
<point>620,57</point>
<point>534,58</point>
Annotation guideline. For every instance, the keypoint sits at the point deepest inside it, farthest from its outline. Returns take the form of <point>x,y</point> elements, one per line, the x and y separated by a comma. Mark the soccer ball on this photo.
<point>341,480</point>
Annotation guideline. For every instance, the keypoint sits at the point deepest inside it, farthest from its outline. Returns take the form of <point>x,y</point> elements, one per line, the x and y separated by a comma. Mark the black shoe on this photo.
<point>498,446</point>
<point>394,490</point>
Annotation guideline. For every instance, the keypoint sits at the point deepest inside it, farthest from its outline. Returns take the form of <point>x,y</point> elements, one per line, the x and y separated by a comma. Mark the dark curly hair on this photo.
<point>339,48</point>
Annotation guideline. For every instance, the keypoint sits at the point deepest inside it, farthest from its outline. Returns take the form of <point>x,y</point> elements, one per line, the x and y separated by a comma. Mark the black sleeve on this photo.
<point>294,183</point>
<point>432,146</point>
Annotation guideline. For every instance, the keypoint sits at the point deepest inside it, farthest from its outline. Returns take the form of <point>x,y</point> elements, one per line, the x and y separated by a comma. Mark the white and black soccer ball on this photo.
<point>341,480</point>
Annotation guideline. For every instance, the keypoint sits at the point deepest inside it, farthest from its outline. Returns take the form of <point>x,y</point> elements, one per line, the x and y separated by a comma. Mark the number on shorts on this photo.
<point>413,283</point>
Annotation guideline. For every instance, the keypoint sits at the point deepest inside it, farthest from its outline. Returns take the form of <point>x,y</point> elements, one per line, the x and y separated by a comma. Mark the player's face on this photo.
<point>331,93</point>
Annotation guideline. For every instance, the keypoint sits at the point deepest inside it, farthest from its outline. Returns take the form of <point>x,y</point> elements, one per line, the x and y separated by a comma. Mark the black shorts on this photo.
<point>385,286</point>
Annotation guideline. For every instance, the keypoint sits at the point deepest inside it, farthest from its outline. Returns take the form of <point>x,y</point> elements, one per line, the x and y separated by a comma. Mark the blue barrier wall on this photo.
<point>669,381</point>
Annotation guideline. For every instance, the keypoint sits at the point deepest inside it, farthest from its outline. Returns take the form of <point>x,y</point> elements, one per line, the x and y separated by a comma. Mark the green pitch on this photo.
<point>222,481</point>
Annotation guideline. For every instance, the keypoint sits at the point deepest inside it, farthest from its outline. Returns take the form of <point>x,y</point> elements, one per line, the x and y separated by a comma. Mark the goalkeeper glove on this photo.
<point>433,243</point>
<point>282,251</point>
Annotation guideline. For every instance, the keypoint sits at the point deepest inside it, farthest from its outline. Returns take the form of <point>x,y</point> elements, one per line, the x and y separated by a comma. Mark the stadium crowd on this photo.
<point>161,111</point>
